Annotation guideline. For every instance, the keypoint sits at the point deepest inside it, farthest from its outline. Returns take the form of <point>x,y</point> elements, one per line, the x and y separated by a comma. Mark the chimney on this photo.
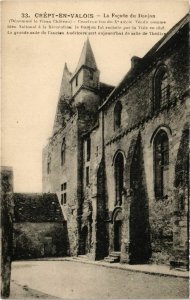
<point>134,61</point>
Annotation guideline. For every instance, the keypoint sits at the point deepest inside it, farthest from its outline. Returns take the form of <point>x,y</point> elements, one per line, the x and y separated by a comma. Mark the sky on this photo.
<point>32,68</point>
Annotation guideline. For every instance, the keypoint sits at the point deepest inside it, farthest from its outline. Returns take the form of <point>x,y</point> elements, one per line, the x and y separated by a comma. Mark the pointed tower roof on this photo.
<point>64,96</point>
<point>65,88</point>
<point>86,58</point>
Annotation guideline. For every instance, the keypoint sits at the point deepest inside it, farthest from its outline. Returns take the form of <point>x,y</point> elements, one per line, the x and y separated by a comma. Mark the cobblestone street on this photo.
<point>66,279</point>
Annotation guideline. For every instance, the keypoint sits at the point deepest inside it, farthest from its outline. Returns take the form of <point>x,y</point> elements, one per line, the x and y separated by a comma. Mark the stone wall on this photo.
<point>167,229</point>
<point>66,173</point>
<point>156,226</point>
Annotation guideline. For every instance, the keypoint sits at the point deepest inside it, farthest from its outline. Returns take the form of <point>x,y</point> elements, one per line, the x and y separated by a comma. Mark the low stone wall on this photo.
<point>35,240</point>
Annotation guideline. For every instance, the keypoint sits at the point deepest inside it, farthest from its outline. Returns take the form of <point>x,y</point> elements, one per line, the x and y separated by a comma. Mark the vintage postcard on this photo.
<point>95,134</point>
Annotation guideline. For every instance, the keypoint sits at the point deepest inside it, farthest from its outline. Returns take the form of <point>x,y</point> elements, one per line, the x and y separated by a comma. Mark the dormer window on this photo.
<point>161,88</point>
<point>117,115</point>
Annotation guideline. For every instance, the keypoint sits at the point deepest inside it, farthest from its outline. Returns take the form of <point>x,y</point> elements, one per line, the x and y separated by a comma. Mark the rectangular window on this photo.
<point>65,198</point>
<point>63,194</point>
<point>91,75</point>
<point>63,152</point>
<point>88,149</point>
<point>61,199</point>
<point>87,176</point>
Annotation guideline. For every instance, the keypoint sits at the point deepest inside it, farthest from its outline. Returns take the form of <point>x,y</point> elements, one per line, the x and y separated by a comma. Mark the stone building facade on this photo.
<point>118,156</point>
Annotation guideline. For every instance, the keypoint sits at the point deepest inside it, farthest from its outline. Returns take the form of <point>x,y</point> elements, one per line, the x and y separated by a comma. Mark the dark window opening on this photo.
<point>91,75</point>
<point>161,162</point>
<point>117,115</point>
<point>49,166</point>
<point>88,149</point>
<point>61,199</point>
<point>119,170</point>
<point>87,176</point>
<point>161,88</point>
<point>65,198</point>
<point>63,152</point>
<point>63,194</point>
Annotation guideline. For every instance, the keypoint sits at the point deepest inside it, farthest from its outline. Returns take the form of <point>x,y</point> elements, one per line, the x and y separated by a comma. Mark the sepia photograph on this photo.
<point>95,149</point>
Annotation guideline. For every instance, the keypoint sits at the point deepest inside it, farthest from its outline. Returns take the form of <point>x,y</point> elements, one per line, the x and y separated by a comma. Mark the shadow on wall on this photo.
<point>182,163</point>
<point>102,230</point>
<point>140,245</point>
<point>181,216</point>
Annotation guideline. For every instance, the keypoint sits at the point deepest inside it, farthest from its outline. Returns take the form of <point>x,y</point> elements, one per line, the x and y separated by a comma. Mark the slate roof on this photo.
<point>37,208</point>
<point>104,90</point>
<point>175,34</point>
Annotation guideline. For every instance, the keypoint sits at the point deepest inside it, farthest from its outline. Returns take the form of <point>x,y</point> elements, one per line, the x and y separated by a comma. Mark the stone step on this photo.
<point>115,254</point>
<point>179,265</point>
<point>83,257</point>
<point>112,257</point>
<point>109,259</point>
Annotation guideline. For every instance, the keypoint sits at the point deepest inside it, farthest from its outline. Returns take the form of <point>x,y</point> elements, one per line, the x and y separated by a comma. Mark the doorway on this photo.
<point>117,236</point>
<point>117,228</point>
<point>84,240</point>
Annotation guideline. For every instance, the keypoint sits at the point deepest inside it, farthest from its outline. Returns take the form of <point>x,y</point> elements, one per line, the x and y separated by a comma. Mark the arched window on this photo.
<point>161,162</point>
<point>119,168</point>
<point>161,88</point>
<point>63,150</point>
<point>117,115</point>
